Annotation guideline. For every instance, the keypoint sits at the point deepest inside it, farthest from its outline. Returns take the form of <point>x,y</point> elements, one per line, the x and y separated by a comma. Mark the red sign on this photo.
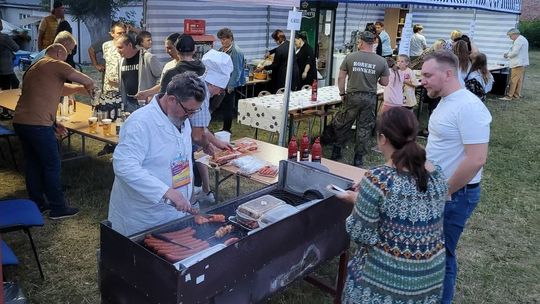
<point>194,27</point>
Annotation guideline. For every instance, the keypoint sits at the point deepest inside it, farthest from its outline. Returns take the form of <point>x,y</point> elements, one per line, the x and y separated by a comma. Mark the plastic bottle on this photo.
<point>293,149</point>
<point>304,148</point>
<point>314,90</point>
<point>316,151</point>
<point>119,122</point>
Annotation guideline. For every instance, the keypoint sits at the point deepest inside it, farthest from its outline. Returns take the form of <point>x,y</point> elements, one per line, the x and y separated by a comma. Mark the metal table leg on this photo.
<point>336,290</point>
<point>83,143</point>
<point>216,184</point>
<point>237,185</point>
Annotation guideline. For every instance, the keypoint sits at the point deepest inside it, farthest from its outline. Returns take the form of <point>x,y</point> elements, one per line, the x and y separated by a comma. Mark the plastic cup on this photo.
<point>107,127</point>
<point>92,125</point>
<point>223,136</point>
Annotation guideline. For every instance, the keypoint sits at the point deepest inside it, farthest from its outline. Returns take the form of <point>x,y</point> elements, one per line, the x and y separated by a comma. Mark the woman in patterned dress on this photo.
<point>397,221</point>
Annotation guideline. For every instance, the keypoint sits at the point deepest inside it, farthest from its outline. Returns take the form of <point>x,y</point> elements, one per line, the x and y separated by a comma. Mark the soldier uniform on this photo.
<point>363,69</point>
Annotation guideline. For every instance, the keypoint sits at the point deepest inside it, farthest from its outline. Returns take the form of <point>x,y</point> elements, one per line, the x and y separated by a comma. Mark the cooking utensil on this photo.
<point>168,240</point>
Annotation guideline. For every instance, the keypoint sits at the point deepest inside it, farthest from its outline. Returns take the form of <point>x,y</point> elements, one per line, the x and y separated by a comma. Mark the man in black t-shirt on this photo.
<point>138,70</point>
<point>130,76</point>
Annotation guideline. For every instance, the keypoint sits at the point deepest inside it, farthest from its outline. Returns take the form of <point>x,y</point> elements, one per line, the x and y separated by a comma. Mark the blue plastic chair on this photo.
<point>8,257</point>
<point>7,133</point>
<point>21,214</point>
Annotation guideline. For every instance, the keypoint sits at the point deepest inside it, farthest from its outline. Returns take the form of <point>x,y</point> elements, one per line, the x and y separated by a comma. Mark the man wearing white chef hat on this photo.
<point>217,70</point>
<point>219,67</point>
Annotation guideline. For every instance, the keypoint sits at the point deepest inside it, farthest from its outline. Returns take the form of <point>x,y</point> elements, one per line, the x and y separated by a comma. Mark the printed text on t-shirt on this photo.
<point>363,67</point>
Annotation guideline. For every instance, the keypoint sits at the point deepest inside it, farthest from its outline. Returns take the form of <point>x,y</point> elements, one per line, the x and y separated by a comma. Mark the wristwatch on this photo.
<point>342,94</point>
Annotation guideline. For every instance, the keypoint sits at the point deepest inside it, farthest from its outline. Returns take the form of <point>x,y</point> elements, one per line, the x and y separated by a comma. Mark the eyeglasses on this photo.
<point>188,112</point>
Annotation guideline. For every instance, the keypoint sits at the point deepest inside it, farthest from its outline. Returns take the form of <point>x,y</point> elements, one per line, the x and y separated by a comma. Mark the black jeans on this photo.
<point>227,108</point>
<point>9,81</point>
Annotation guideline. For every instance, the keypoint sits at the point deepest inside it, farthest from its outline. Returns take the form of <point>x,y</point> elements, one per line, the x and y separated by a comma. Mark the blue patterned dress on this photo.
<point>399,233</point>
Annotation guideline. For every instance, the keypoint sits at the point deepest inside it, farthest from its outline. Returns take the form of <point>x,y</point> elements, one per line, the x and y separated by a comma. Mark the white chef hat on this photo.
<point>219,67</point>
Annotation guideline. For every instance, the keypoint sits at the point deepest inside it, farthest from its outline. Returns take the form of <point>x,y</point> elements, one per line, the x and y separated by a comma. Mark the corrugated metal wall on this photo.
<point>357,15</point>
<point>249,24</point>
<point>490,34</point>
<point>251,31</point>
<point>490,30</point>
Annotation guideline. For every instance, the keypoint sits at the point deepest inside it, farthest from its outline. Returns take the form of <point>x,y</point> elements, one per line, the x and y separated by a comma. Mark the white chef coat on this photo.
<point>148,144</point>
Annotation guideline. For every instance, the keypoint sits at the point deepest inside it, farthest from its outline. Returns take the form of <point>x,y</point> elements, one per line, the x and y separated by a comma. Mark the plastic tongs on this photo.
<point>195,210</point>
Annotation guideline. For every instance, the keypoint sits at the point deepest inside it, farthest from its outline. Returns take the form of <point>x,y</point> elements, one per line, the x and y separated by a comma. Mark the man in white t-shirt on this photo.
<point>458,142</point>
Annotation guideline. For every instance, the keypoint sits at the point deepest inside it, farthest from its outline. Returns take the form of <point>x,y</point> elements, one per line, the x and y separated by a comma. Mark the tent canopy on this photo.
<point>507,6</point>
<point>286,3</point>
<point>9,28</point>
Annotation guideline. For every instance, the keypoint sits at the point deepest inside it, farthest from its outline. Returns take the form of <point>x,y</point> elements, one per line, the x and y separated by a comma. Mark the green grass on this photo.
<point>498,253</point>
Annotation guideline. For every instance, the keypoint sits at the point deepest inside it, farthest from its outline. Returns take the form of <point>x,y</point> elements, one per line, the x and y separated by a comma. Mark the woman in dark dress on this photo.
<point>279,64</point>
<point>305,58</point>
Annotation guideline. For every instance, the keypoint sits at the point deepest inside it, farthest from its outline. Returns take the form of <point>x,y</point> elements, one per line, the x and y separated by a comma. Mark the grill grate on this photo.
<point>294,199</point>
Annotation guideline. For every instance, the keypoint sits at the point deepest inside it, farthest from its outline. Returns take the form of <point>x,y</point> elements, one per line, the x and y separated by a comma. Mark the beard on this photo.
<point>177,121</point>
<point>433,93</point>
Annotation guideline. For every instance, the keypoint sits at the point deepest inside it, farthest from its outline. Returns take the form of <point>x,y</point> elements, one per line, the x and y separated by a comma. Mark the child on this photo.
<point>393,92</point>
<point>409,81</point>
<point>479,80</point>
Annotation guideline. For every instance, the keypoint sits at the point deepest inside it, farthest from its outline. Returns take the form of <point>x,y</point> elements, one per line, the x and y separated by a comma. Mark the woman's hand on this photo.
<point>348,196</point>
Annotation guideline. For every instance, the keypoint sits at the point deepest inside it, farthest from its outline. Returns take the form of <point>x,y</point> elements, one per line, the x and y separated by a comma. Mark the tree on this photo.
<point>95,14</point>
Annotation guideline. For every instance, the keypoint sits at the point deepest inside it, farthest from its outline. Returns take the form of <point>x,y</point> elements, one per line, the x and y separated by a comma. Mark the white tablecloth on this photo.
<point>266,112</point>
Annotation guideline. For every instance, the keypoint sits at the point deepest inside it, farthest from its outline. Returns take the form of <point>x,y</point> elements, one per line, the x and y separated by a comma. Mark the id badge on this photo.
<point>180,172</point>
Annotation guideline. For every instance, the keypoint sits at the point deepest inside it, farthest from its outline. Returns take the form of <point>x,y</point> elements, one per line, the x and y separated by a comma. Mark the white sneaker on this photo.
<point>197,190</point>
<point>206,198</point>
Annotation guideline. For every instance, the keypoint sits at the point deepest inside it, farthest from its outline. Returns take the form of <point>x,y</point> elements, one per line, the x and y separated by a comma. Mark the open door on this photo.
<point>319,22</point>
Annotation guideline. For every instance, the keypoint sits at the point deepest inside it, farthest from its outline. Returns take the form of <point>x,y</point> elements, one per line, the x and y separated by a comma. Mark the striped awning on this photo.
<point>286,3</point>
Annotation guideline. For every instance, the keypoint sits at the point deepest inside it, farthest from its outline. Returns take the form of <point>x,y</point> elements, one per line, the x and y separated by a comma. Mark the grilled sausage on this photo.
<point>231,241</point>
<point>185,231</point>
<point>177,256</point>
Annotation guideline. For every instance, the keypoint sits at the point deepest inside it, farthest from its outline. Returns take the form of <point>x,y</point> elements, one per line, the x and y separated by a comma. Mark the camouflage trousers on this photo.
<point>359,107</point>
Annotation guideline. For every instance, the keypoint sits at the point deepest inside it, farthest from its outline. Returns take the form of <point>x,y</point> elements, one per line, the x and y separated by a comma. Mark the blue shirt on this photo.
<point>385,40</point>
<point>39,55</point>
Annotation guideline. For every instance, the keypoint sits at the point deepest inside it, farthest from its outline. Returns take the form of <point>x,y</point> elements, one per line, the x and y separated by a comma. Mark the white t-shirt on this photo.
<point>478,76</point>
<point>459,119</point>
<point>417,45</point>
<point>169,65</point>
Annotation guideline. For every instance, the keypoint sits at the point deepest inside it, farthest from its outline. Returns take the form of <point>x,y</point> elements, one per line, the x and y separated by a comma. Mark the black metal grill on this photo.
<point>259,265</point>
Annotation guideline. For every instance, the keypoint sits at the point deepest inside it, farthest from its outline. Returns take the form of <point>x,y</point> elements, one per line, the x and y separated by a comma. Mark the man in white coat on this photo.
<point>152,162</point>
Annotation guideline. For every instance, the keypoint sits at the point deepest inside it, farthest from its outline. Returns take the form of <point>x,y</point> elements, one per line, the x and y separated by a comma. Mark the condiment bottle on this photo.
<point>316,151</point>
<point>293,149</point>
<point>304,148</point>
<point>119,122</point>
<point>314,90</point>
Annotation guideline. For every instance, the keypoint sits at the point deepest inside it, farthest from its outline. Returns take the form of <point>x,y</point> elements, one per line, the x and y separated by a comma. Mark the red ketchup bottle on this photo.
<point>316,151</point>
<point>304,148</point>
<point>293,149</point>
<point>314,90</point>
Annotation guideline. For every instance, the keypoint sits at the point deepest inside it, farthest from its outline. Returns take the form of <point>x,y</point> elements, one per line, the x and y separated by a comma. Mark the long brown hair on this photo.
<point>479,63</point>
<point>394,67</point>
<point>400,126</point>
<point>461,50</point>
